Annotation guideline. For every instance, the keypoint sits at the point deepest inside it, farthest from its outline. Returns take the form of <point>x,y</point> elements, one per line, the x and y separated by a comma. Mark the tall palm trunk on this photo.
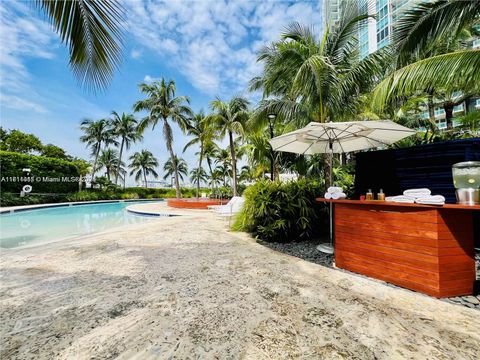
<point>234,164</point>
<point>209,163</point>
<point>200,166</point>
<point>448,107</point>
<point>168,137</point>
<point>145,178</point>
<point>119,161</point>
<point>94,169</point>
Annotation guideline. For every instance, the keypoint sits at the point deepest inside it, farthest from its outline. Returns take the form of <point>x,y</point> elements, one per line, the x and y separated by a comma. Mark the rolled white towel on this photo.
<point>400,199</point>
<point>417,193</point>
<point>328,195</point>
<point>334,189</point>
<point>338,196</point>
<point>431,200</point>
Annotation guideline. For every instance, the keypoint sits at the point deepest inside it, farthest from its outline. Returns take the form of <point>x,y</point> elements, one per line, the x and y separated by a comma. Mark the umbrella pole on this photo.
<point>331,204</point>
<point>328,248</point>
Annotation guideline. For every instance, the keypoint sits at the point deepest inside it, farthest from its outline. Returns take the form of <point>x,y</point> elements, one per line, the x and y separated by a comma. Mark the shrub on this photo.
<point>12,163</point>
<point>10,199</point>
<point>282,212</point>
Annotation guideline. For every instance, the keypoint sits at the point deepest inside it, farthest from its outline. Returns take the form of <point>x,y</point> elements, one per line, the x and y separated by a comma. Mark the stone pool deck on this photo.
<point>185,287</point>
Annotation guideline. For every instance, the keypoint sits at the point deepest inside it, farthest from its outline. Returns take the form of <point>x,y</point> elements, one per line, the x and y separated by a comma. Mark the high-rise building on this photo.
<point>374,33</point>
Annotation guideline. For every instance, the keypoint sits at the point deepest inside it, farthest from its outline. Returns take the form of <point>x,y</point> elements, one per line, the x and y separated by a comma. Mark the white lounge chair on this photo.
<point>231,210</point>
<point>228,205</point>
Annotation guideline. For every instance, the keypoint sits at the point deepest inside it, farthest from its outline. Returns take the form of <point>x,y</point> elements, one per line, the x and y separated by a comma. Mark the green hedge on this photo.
<point>13,199</point>
<point>283,212</point>
<point>11,165</point>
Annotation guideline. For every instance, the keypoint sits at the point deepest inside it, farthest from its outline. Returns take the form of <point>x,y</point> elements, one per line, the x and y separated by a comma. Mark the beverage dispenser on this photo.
<point>466,179</point>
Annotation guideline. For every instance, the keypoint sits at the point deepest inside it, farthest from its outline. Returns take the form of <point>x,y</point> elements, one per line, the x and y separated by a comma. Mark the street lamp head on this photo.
<point>271,116</point>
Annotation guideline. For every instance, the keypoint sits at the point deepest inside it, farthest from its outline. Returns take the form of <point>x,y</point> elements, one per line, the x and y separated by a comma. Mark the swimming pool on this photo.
<point>49,224</point>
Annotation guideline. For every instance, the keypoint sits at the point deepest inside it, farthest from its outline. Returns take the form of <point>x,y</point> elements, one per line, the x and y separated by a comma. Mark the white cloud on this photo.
<point>214,43</point>
<point>149,79</point>
<point>22,37</point>
<point>136,54</point>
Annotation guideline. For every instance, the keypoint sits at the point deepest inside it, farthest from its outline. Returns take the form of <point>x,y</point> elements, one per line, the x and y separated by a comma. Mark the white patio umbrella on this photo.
<point>339,137</point>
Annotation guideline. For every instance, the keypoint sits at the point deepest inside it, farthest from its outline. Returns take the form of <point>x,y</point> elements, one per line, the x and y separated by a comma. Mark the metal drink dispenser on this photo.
<point>466,179</point>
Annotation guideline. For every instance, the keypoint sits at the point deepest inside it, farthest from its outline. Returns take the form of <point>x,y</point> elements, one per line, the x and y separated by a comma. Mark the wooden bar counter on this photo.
<point>425,248</point>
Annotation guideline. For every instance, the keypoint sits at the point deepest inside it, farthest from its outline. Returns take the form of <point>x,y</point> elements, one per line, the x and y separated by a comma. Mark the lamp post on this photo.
<point>271,123</point>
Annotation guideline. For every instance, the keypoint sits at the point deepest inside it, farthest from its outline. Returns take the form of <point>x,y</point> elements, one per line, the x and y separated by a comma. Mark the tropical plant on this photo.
<point>431,57</point>
<point>316,79</point>
<point>124,127</point>
<point>143,163</point>
<point>198,175</point>
<point>216,178</point>
<point>307,78</point>
<point>281,212</point>
<point>93,32</point>
<point>96,134</point>
<point>83,168</point>
<point>109,160</point>
<point>178,166</point>
<point>18,141</point>
<point>210,151</point>
<point>202,136</point>
<point>229,118</point>
<point>162,105</point>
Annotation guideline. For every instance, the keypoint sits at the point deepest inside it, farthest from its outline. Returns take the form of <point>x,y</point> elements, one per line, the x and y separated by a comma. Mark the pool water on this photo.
<point>50,224</point>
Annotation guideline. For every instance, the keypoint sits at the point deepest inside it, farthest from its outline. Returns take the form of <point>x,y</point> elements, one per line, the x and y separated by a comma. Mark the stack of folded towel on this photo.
<point>417,193</point>
<point>400,199</point>
<point>431,200</point>
<point>335,193</point>
<point>419,196</point>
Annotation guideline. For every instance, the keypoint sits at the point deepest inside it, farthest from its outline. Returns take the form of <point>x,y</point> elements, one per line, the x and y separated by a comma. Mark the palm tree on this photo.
<point>307,78</point>
<point>429,57</point>
<point>125,127</point>
<point>202,133</point>
<point>109,160</point>
<point>178,166</point>
<point>224,159</point>
<point>163,105</point>
<point>316,79</point>
<point>93,32</point>
<point>143,163</point>
<point>197,175</point>
<point>210,151</point>
<point>229,119</point>
<point>83,168</point>
<point>216,178</point>
<point>96,134</point>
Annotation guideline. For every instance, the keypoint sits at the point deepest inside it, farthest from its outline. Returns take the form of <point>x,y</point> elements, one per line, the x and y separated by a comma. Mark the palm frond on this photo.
<point>453,70</point>
<point>92,30</point>
<point>430,21</point>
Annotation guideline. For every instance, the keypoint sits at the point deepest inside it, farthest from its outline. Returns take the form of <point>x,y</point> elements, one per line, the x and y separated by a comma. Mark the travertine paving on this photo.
<point>186,288</point>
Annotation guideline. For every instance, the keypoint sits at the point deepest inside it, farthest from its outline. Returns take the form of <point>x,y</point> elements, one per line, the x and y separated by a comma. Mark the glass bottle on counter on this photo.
<point>381,195</point>
<point>369,195</point>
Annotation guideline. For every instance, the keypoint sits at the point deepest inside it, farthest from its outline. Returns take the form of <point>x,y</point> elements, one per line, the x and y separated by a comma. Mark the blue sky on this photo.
<point>208,47</point>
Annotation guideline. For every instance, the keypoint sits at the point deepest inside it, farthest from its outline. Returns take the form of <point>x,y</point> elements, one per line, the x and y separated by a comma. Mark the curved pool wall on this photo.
<point>31,226</point>
<point>193,203</point>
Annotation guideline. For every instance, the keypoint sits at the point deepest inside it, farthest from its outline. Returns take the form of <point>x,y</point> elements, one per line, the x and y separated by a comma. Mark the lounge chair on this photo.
<point>231,210</point>
<point>228,205</point>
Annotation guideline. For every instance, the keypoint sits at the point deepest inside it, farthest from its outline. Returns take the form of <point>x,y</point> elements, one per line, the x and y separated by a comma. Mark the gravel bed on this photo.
<point>307,250</point>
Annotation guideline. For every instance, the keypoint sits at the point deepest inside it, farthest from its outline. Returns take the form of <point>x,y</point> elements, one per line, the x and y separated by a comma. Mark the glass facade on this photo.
<point>363,30</point>
<point>383,23</point>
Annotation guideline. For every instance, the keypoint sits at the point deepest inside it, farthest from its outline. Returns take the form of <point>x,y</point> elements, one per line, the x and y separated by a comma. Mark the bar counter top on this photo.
<point>391,203</point>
